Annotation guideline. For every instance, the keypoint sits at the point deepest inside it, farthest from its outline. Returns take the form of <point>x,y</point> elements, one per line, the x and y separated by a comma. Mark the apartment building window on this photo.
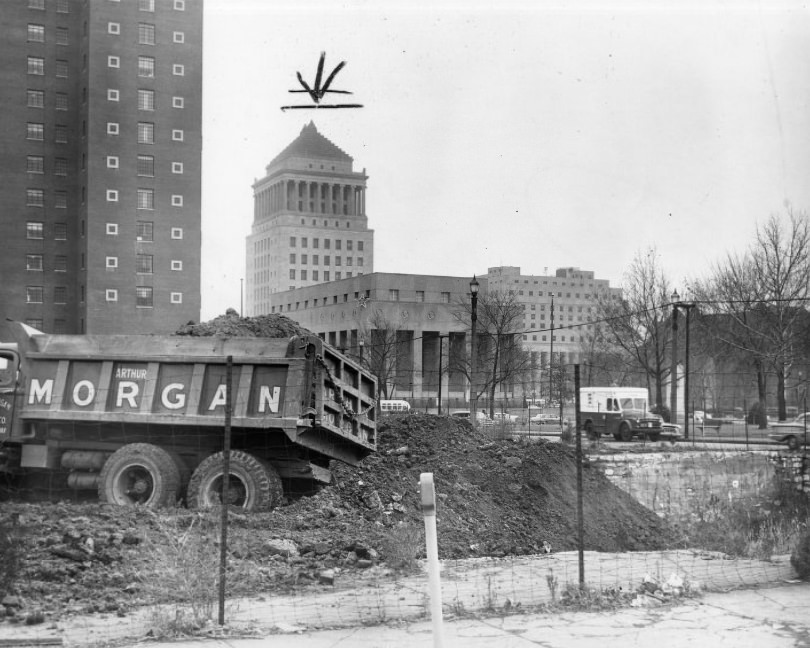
<point>177,135</point>
<point>144,231</point>
<point>60,200</point>
<point>112,195</point>
<point>143,297</point>
<point>446,297</point>
<point>304,259</point>
<point>112,162</point>
<point>292,273</point>
<point>177,233</point>
<point>146,198</point>
<point>178,69</point>
<point>61,101</point>
<point>60,263</point>
<point>176,298</point>
<point>34,294</point>
<point>292,241</point>
<point>360,246</point>
<point>60,295</point>
<point>146,99</point>
<point>420,295</point>
<point>35,197</point>
<point>315,278</point>
<point>35,164</point>
<point>35,322</point>
<point>61,69</point>
<point>36,4</point>
<point>327,244</point>
<point>146,5</point>
<point>35,131</point>
<point>292,258</point>
<point>111,295</point>
<point>146,133</point>
<point>303,275</point>
<point>146,34</point>
<point>60,134</point>
<point>349,261</point>
<point>113,28</point>
<point>326,259</point>
<point>337,276</point>
<point>113,94</point>
<point>143,264</point>
<point>338,261</point>
<point>146,66</point>
<point>114,61</point>
<point>179,37</point>
<point>360,261</point>
<point>180,5</point>
<point>34,230</point>
<point>178,102</point>
<point>177,266</point>
<point>60,167</point>
<point>393,294</point>
<point>36,99</point>
<point>33,262</point>
<point>177,201</point>
<point>112,229</point>
<point>112,128</point>
<point>338,244</point>
<point>146,166</point>
<point>36,65</point>
<point>61,36</point>
<point>62,6</point>
<point>177,167</point>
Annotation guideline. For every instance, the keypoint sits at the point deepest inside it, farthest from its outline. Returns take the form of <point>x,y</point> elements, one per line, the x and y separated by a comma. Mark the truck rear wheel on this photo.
<point>792,443</point>
<point>254,484</point>
<point>139,473</point>
<point>624,432</point>
<point>592,436</point>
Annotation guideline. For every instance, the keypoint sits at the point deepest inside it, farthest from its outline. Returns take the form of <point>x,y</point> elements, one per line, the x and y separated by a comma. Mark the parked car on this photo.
<point>480,417</point>
<point>545,418</point>
<point>791,432</point>
<point>505,417</point>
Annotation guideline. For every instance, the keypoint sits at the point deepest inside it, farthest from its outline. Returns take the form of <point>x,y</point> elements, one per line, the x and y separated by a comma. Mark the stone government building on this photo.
<point>310,256</point>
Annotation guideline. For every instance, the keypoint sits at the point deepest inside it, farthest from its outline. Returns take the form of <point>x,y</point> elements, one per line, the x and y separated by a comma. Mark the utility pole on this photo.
<point>551,355</point>
<point>673,372</point>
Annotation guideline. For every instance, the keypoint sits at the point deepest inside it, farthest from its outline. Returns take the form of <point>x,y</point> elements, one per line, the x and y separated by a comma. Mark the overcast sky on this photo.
<point>531,134</point>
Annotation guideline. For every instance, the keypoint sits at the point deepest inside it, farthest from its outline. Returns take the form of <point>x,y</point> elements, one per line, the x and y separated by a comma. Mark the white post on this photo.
<point>435,589</point>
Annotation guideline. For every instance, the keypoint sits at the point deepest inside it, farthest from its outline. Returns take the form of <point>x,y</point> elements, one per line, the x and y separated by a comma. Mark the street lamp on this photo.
<point>361,343</point>
<point>676,304</point>
<point>474,285</point>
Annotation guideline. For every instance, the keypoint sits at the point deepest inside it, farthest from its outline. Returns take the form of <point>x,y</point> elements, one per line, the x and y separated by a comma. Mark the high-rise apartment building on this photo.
<point>310,224</point>
<point>100,151</point>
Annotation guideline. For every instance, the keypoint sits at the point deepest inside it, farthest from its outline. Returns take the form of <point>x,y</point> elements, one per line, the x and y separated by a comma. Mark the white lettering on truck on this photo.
<point>266,399</point>
<point>219,398</point>
<point>165,397</point>
<point>39,392</point>
<point>89,396</point>
<point>127,391</point>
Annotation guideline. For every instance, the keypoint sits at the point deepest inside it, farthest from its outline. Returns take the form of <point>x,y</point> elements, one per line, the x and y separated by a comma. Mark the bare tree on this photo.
<point>386,354</point>
<point>758,302</point>
<point>638,323</point>
<point>604,363</point>
<point>501,357</point>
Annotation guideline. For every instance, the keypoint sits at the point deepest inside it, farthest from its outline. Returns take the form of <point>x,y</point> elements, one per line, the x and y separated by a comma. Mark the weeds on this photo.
<point>403,545</point>
<point>11,544</point>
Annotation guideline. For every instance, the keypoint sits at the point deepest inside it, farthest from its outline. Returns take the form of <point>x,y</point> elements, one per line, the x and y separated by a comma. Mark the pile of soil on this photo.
<point>232,325</point>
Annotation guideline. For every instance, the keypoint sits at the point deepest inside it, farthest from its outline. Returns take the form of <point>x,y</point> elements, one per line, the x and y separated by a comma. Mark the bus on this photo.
<point>394,406</point>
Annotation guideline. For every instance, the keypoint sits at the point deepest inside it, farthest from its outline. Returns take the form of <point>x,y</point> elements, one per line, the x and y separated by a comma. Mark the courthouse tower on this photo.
<point>309,221</point>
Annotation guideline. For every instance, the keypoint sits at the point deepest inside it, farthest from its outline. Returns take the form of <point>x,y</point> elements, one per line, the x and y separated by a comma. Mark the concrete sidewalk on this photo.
<point>768,617</point>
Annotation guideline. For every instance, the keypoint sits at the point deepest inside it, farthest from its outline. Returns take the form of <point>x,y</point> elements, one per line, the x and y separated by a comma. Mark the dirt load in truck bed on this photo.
<point>494,498</point>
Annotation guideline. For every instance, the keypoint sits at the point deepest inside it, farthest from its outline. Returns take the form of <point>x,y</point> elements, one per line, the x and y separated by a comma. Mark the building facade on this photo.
<point>430,316</point>
<point>309,223</point>
<point>101,164</point>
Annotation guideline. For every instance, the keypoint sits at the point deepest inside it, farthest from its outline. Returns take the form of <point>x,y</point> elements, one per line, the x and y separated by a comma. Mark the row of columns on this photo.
<point>311,197</point>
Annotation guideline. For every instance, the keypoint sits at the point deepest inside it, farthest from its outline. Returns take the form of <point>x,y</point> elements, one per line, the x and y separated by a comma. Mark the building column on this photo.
<point>416,371</point>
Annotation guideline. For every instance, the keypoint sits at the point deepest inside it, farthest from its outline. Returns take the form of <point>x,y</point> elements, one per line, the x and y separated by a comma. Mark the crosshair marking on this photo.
<point>317,92</point>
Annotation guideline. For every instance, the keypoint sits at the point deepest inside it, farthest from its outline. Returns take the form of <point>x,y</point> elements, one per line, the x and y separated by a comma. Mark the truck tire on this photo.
<point>624,432</point>
<point>654,436</point>
<point>792,443</point>
<point>139,473</point>
<point>254,484</point>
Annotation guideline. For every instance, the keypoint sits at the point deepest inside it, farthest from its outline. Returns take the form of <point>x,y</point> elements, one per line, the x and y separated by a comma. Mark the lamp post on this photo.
<point>474,285</point>
<point>676,304</point>
<point>673,372</point>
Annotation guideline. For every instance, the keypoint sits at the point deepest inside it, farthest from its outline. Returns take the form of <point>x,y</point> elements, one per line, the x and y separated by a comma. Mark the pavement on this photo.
<point>767,617</point>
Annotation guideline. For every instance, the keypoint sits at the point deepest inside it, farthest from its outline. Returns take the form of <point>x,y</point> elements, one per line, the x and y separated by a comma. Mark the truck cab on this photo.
<point>621,412</point>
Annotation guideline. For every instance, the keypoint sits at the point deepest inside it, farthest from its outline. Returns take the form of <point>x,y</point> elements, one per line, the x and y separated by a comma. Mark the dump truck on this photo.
<point>621,412</point>
<point>141,419</point>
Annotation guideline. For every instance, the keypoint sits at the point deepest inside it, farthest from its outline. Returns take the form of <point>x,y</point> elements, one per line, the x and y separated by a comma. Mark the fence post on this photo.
<point>225,496</point>
<point>580,507</point>
<point>431,545</point>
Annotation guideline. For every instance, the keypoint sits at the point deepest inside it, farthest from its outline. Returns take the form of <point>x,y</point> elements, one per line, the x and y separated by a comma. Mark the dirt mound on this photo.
<point>494,498</point>
<point>232,325</point>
